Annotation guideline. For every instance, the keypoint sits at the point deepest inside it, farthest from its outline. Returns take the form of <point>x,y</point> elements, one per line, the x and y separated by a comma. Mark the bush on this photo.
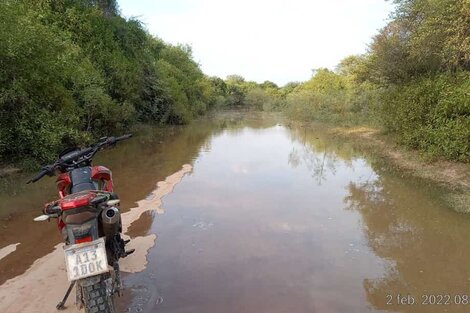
<point>331,97</point>
<point>74,70</point>
<point>259,99</point>
<point>431,114</point>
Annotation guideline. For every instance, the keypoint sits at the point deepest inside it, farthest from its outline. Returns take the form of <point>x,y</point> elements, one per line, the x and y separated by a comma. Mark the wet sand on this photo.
<point>41,287</point>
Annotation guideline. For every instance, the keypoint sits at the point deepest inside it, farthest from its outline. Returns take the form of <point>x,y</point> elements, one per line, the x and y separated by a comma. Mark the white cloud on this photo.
<point>264,40</point>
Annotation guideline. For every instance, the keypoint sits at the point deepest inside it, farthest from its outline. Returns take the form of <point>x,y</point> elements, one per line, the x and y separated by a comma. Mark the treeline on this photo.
<point>414,81</point>
<point>71,70</point>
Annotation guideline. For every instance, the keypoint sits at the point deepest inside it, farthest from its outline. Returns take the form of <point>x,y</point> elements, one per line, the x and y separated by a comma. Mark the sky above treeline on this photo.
<point>276,40</point>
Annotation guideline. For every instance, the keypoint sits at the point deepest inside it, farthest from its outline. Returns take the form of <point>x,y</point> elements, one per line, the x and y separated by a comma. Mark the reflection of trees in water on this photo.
<point>386,230</point>
<point>318,152</point>
<point>428,247</point>
<point>154,153</point>
<point>317,164</point>
<point>234,122</point>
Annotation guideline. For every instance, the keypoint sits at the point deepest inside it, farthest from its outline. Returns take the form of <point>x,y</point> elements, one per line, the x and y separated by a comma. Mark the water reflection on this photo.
<point>427,244</point>
<point>319,153</point>
<point>316,164</point>
<point>274,218</point>
<point>137,166</point>
<point>248,231</point>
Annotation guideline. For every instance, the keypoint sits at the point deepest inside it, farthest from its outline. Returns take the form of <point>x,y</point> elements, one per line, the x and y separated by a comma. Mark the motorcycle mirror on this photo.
<point>113,202</point>
<point>41,218</point>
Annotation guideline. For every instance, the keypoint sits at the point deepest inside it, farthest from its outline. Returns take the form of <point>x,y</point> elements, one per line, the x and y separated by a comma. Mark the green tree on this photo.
<point>73,70</point>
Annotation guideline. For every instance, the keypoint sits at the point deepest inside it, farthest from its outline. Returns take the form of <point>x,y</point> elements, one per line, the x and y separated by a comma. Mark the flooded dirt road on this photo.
<point>271,217</point>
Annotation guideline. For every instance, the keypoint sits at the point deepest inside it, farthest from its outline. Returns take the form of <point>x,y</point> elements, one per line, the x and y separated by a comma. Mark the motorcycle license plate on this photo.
<point>86,259</point>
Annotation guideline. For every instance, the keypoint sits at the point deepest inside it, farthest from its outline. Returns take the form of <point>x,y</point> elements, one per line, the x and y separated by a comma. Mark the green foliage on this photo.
<point>431,114</point>
<point>41,85</point>
<point>330,97</point>
<point>73,70</point>
<point>414,81</point>
<point>236,91</point>
<point>185,84</point>
<point>259,99</point>
<point>235,94</point>
<point>421,60</point>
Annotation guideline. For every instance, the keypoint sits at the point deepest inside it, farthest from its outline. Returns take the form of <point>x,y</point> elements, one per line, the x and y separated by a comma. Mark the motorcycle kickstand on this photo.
<point>61,304</point>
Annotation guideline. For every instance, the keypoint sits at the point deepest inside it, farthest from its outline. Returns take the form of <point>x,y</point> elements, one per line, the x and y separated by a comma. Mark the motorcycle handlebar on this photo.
<point>49,169</point>
<point>75,155</point>
<point>113,140</point>
<point>123,137</point>
<point>40,175</point>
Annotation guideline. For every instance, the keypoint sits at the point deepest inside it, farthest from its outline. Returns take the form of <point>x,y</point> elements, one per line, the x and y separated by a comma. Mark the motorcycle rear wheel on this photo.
<point>97,298</point>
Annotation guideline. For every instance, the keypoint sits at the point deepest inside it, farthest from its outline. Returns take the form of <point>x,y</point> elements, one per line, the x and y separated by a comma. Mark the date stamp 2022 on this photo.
<point>428,299</point>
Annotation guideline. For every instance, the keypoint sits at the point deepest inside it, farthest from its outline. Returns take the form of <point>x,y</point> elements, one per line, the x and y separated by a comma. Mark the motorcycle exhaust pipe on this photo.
<point>111,220</point>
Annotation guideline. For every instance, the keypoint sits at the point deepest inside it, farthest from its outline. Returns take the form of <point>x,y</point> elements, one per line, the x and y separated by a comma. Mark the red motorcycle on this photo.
<point>88,217</point>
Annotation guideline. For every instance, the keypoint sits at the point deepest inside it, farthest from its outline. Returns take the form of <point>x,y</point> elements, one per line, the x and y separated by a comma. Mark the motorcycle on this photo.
<point>89,220</point>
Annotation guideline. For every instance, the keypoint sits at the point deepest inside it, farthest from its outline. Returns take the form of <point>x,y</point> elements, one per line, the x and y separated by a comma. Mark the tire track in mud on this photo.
<point>43,285</point>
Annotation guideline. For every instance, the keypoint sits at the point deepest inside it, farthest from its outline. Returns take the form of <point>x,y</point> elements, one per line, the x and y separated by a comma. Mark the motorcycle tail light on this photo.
<point>75,203</point>
<point>76,200</point>
<point>84,239</point>
<point>85,232</point>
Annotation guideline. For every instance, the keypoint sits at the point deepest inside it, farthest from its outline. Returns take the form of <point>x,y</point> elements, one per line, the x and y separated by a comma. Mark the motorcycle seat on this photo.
<point>81,180</point>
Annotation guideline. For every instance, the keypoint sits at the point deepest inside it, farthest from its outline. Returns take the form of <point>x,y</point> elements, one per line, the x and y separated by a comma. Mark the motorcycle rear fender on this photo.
<point>87,231</point>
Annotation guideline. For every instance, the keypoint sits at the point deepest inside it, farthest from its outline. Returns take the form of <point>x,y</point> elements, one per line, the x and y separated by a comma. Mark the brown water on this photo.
<point>273,218</point>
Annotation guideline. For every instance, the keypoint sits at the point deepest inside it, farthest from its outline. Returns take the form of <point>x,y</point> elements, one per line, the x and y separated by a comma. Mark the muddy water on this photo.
<point>272,218</point>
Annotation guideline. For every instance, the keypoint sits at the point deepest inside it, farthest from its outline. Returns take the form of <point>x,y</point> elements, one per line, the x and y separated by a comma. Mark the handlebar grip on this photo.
<point>123,137</point>
<point>111,141</point>
<point>40,175</point>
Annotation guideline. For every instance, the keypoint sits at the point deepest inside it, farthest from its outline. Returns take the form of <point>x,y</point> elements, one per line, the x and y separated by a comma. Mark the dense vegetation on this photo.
<point>414,81</point>
<point>71,70</point>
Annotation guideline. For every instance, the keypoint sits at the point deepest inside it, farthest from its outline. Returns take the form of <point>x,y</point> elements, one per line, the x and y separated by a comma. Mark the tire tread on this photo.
<point>95,298</point>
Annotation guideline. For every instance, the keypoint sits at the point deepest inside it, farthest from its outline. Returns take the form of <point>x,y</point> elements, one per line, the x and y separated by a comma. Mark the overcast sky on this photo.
<point>277,40</point>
